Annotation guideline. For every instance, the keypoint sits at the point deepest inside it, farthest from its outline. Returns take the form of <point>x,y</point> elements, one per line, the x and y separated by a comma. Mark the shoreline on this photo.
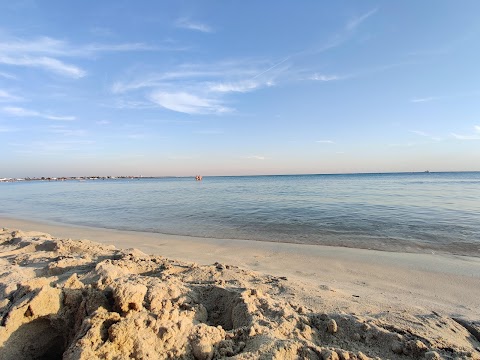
<point>362,242</point>
<point>438,282</point>
<point>134,295</point>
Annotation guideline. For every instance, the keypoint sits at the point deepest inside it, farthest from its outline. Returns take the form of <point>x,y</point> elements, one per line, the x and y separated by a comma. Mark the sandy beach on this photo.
<point>198,298</point>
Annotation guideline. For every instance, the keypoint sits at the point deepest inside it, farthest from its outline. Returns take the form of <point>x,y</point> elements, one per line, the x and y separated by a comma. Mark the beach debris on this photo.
<point>332,326</point>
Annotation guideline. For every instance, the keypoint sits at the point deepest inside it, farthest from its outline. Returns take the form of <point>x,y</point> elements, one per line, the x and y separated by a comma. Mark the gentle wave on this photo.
<point>400,212</point>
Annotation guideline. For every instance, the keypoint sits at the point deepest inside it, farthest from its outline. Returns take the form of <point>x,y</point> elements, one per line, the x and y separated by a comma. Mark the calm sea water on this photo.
<point>401,212</point>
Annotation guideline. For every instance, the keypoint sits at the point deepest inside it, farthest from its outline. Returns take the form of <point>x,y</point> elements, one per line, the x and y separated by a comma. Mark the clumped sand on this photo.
<point>62,298</point>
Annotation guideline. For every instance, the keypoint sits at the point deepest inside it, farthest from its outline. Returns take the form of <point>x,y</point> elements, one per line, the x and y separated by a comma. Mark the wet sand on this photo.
<point>77,299</point>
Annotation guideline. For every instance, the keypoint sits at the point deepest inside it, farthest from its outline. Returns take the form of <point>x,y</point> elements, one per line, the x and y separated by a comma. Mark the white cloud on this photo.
<point>256,157</point>
<point>424,134</point>
<point>402,145</point>
<point>240,86</point>
<point>187,103</point>
<point>425,99</point>
<point>7,129</point>
<point>103,122</point>
<point>91,49</point>
<point>446,97</point>
<point>46,63</point>
<point>44,52</point>
<point>6,96</point>
<point>38,53</point>
<point>186,23</point>
<point>319,77</point>
<point>53,47</point>
<point>69,132</point>
<point>355,22</point>
<point>201,88</point>
<point>474,136</point>
<point>8,76</point>
<point>466,137</point>
<point>21,112</point>
<point>325,141</point>
<point>204,75</point>
<point>342,36</point>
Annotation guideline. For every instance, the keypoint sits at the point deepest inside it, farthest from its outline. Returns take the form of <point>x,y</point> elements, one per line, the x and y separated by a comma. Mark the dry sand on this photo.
<point>227,299</point>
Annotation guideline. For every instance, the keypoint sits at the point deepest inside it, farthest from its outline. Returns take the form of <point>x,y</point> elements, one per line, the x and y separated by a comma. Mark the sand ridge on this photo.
<point>76,299</point>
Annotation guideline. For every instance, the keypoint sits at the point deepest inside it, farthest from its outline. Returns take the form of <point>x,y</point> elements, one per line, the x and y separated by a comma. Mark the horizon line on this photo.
<point>119,177</point>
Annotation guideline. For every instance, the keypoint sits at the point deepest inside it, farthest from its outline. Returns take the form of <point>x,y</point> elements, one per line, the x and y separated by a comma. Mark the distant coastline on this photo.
<point>80,178</point>
<point>122,177</point>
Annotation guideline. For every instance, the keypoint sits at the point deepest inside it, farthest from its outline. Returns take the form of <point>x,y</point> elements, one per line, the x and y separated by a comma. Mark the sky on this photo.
<point>178,88</point>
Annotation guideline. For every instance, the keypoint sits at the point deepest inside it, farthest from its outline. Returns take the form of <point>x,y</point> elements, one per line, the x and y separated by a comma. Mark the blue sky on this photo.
<point>238,87</point>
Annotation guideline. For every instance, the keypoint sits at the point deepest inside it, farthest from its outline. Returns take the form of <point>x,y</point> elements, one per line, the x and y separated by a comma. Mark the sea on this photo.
<point>407,212</point>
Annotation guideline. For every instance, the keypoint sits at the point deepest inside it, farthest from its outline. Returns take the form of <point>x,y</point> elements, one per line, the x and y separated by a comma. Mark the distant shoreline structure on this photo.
<point>81,178</point>
<point>85,178</point>
<point>134,177</point>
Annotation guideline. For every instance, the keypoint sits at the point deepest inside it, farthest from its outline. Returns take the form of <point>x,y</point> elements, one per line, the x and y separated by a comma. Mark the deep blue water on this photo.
<point>401,212</point>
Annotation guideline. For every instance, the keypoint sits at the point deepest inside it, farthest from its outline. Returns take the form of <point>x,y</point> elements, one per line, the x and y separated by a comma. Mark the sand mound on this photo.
<point>65,299</point>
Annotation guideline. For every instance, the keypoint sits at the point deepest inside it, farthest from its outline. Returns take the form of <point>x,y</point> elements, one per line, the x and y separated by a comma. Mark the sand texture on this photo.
<point>63,298</point>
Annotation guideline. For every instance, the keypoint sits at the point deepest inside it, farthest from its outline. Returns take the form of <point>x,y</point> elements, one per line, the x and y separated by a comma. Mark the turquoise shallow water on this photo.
<point>400,212</point>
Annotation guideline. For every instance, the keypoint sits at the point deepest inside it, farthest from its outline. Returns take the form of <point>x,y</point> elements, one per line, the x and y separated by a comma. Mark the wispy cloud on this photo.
<point>466,137</point>
<point>427,135</point>
<point>256,157</point>
<point>325,141</point>
<point>240,86</point>
<point>319,77</point>
<point>64,131</point>
<point>474,136</point>
<point>357,21</point>
<point>5,96</point>
<point>53,47</point>
<point>244,71</point>
<point>21,112</point>
<point>356,74</point>
<point>7,76</point>
<point>103,122</point>
<point>46,63</point>
<point>188,103</point>
<point>204,88</point>
<point>4,129</point>
<point>445,97</point>
<point>122,103</point>
<point>201,88</point>
<point>44,52</point>
<point>186,23</point>
<point>342,36</point>
<point>425,99</point>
